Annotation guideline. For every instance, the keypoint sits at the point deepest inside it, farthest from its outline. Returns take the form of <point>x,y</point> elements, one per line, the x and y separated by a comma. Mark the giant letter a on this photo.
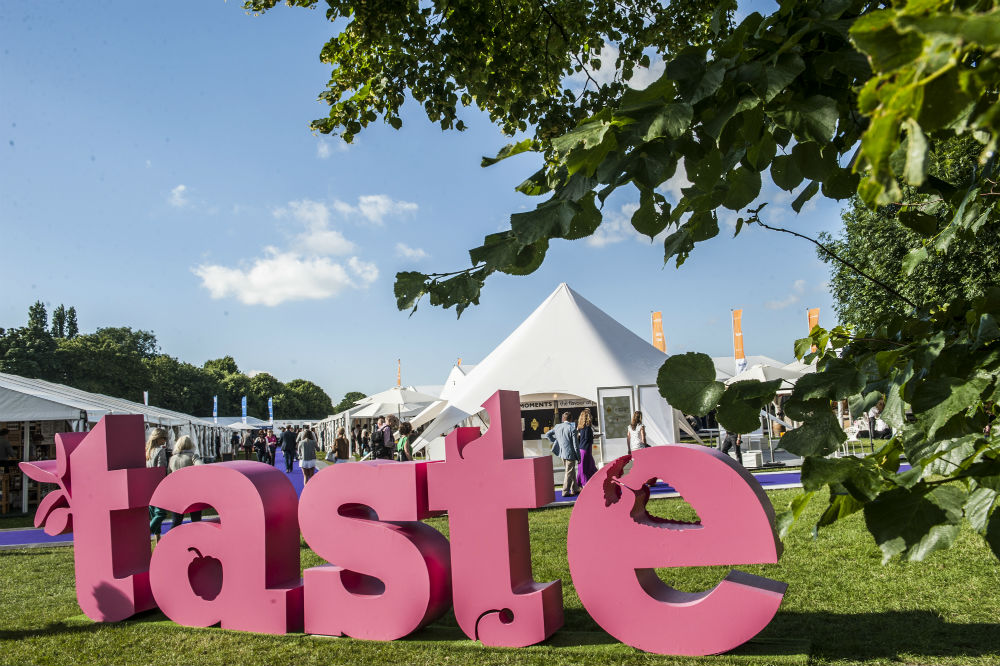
<point>487,487</point>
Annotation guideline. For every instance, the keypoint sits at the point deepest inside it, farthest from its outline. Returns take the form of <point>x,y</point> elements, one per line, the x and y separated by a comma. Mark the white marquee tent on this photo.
<point>32,400</point>
<point>567,348</point>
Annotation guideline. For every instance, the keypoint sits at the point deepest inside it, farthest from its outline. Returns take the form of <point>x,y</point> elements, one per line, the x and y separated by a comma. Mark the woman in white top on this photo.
<point>185,455</point>
<point>636,433</point>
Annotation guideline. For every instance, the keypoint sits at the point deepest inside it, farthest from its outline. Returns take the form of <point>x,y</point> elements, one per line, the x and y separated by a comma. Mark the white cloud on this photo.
<point>616,227</point>
<point>408,252</point>
<point>798,288</point>
<point>177,198</point>
<point>365,271</point>
<point>325,147</point>
<point>641,76</point>
<point>279,277</point>
<point>672,186</point>
<point>375,208</point>
<point>304,270</point>
<point>318,238</point>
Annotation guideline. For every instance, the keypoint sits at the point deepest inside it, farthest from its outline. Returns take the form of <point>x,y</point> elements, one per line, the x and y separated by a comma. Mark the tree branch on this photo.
<point>756,220</point>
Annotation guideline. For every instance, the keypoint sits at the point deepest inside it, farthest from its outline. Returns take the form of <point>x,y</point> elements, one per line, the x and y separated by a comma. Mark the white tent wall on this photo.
<point>657,416</point>
<point>28,401</point>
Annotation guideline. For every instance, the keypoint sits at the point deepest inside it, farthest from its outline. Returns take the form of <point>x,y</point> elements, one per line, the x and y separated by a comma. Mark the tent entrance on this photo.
<point>615,404</point>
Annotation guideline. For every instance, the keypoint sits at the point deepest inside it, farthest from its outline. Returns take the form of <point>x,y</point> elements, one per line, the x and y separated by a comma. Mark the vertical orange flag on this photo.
<point>658,340</point>
<point>813,321</point>
<point>741,361</point>
<point>399,372</point>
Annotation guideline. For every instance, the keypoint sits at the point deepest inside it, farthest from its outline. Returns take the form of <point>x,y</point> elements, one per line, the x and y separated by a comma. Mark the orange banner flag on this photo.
<point>399,372</point>
<point>813,321</point>
<point>659,341</point>
<point>738,336</point>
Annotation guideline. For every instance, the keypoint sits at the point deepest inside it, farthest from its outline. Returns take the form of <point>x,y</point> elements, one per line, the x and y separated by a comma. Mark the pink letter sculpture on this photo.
<point>387,579</point>
<point>487,487</point>
<point>104,490</point>
<point>614,546</point>
<point>241,571</point>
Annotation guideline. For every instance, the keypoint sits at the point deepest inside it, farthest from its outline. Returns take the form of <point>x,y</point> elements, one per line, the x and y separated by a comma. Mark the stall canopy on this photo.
<point>25,399</point>
<point>566,347</point>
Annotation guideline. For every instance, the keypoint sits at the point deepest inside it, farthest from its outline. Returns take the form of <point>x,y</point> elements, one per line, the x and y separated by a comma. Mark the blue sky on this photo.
<point>158,172</point>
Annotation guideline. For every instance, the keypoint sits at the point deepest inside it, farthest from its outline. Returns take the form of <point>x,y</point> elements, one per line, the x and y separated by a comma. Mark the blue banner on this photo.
<point>244,409</point>
<point>215,408</point>
<point>270,409</point>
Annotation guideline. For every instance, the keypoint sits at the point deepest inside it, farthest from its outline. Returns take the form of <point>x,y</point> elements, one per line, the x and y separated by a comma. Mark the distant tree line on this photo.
<point>121,362</point>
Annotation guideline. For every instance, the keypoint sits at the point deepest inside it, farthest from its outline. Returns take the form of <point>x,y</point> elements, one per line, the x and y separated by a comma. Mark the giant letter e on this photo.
<point>614,546</point>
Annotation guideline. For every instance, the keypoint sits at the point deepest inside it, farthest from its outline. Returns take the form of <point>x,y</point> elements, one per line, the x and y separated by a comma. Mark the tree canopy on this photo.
<point>839,98</point>
<point>122,362</point>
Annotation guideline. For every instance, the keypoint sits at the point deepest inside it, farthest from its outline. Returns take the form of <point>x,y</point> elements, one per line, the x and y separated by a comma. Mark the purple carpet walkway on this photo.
<point>27,537</point>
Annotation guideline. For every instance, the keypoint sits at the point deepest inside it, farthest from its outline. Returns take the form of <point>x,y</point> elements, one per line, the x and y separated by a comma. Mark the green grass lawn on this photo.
<point>842,607</point>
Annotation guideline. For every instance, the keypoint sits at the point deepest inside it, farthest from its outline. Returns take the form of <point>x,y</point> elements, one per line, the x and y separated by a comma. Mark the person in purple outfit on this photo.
<point>585,442</point>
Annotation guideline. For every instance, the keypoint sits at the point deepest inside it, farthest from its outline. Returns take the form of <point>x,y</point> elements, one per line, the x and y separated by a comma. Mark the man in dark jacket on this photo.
<point>287,441</point>
<point>733,440</point>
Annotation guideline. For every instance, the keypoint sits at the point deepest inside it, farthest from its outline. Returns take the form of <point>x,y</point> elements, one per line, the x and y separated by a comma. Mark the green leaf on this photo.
<point>858,404</point>
<point>408,289</point>
<point>841,184</point>
<point>741,404</point>
<point>841,506</point>
<point>916,153</point>
<point>811,119</point>
<point>915,523</point>
<point>861,480</point>
<point>819,435</point>
<point>744,186</point>
<point>987,331</point>
<point>919,221</point>
<point>979,506</point>
<point>551,218</point>
<point>936,400</point>
<point>785,173</point>
<point>992,535</point>
<point>528,259</point>
<point>586,220</point>
<point>687,382</point>
<point>509,150</point>
<point>913,259</point>
<point>498,250</point>
<point>783,521</point>
<point>671,120</point>
<point>807,193</point>
<point>646,220</point>
<point>837,380</point>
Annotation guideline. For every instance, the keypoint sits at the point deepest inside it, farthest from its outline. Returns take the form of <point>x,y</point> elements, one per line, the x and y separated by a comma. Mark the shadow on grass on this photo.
<point>48,631</point>
<point>886,635</point>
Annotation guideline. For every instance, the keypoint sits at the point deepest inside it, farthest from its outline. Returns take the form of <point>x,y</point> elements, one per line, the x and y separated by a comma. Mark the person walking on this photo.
<point>260,447</point>
<point>585,442</point>
<point>732,440</point>
<point>341,448</point>
<point>404,451</point>
<point>156,456</point>
<point>288,445</point>
<point>185,455</point>
<point>563,438</point>
<point>306,450</point>
<point>636,434</point>
<point>272,448</point>
<point>381,443</point>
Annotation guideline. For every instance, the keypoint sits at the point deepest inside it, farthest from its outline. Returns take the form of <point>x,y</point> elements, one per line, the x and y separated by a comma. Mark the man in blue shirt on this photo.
<point>563,438</point>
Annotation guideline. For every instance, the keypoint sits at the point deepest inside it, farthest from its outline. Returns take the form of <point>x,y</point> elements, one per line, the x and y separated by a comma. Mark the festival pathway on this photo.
<point>31,537</point>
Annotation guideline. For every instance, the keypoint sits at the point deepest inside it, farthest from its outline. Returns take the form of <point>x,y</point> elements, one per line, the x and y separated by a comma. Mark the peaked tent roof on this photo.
<point>567,346</point>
